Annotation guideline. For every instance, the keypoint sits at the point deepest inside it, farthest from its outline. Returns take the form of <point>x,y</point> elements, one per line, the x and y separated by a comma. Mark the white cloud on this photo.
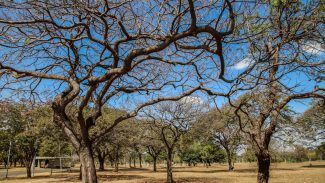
<point>243,63</point>
<point>192,100</point>
<point>313,48</point>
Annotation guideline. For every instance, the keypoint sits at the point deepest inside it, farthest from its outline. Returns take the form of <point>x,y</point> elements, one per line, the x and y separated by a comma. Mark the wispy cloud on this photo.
<point>243,64</point>
<point>313,48</point>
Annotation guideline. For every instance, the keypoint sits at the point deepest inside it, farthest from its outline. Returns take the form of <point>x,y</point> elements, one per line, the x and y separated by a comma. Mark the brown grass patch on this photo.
<point>243,173</point>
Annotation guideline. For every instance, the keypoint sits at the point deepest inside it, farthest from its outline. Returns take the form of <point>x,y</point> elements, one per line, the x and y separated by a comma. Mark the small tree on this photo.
<point>171,120</point>
<point>225,131</point>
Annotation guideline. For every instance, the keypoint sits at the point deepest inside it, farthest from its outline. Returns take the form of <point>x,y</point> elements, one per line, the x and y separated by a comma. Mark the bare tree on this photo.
<point>227,134</point>
<point>89,53</point>
<point>152,141</point>
<point>283,58</point>
<point>171,120</point>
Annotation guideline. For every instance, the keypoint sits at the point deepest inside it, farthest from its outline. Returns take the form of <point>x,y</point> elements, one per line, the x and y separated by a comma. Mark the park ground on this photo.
<point>243,173</point>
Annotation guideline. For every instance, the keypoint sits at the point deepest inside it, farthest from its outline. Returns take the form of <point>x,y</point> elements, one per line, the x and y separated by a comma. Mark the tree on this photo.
<point>171,120</point>
<point>281,47</point>
<point>152,141</point>
<point>198,152</point>
<point>312,122</point>
<point>11,124</point>
<point>27,143</point>
<point>90,53</point>
<point>225,131</point>
<point>320,151</point>
<point>20,122</point>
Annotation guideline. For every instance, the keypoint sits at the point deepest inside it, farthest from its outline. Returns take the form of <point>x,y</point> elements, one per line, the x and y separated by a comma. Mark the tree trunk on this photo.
<point>116,160</point>
<point>88,170</point>
<point>130,162</point>
<point>230,162</point>
<point>101,163</point>
<point>80,172</point>
<point>154,163</point>
<point>116,166</point>
<point>263,162</point>
<point>169,167</point>
<point>134,163</point>
<point>29,171</point>
<point>101,159</point>
<point>140,160</point>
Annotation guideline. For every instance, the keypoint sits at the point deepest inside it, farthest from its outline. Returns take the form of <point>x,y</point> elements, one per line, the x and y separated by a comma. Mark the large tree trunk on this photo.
<point>154,163</point>
<point>169,167</point>
<point>263,162</point>
<point>88,166</point>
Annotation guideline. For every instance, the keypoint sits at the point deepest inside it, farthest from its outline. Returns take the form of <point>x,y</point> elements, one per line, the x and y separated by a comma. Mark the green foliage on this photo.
<point>202,153</point>
<point>27,143</point>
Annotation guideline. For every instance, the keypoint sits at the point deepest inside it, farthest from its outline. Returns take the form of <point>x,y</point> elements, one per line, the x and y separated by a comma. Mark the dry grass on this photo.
<point>244,173</point>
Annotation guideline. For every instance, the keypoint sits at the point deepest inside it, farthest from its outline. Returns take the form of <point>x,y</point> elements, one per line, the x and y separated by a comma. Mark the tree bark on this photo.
<point>154,164</point>
<point>28,164</point>
<point>130,162</point>
<point>263,162</point>
<point>101,159</point>
<point>169,167</point>
<point>230,162</point>
<point>116,166</point>
<point>80,172</point>
<point>29,171</point>
<point>88,170</point>
<point>116,162</point>
<point>140,160</point>
<point>101,163</point>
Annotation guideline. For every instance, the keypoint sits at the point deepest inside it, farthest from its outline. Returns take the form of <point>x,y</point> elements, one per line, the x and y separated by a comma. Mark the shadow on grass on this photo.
<point>183,180</point>
<point>216,171</point>
<point>248,170</point>
<point>33,178</point>
<point>107,178</point>
<point>314,166</point>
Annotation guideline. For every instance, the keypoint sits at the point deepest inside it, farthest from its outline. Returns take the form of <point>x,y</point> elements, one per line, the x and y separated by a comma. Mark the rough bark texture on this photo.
<point>263,162</point>
<point>88,170</point>
<point>169,167</point>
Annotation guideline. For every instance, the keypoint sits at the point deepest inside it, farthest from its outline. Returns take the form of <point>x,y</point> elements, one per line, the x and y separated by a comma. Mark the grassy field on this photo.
<point>244,173</point>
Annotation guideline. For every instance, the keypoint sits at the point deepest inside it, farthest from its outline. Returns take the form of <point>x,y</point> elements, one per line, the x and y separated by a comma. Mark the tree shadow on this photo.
<point>108,178</point>
<point>25,178</point>
<point>183,180</point>
<point>217,171</point>
<point>314,166</point>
